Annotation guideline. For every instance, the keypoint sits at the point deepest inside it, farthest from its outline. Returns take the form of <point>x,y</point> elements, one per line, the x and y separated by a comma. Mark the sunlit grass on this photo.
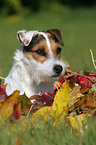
<point>24,132</point>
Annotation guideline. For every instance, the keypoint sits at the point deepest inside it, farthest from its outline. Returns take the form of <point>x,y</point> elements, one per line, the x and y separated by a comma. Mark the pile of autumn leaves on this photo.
<point>73,102</point>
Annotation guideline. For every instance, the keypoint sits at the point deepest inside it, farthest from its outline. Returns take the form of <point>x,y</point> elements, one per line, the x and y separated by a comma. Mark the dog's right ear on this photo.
<point>56,34</point>
<point>25,37</point>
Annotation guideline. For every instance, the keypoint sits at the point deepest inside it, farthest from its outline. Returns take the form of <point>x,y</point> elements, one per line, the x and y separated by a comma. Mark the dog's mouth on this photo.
<point>55,76</point>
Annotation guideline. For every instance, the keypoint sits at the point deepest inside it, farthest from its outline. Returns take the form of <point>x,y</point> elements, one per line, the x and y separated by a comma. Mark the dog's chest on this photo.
<point>36,89</point>
<point>44,87</point>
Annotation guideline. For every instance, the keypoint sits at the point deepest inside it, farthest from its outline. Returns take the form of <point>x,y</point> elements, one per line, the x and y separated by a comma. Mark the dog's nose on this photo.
<point>57,69</point>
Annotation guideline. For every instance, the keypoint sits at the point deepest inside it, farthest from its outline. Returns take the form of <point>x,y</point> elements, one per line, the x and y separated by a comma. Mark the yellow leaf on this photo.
<point>61,101</point>
<point>12,98</point>
<point>6,107</point>
<point>43,113</point>
<point>78,121</point>
<point>5,112</point>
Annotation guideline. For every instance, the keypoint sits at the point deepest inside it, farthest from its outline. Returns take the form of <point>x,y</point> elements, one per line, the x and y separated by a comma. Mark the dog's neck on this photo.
<point>22,77</point>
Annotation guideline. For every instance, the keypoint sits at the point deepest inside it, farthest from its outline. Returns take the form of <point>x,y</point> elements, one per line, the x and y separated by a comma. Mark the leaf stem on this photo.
<point>81,75</point>
<point>93,59</point>
<point>2,78</point>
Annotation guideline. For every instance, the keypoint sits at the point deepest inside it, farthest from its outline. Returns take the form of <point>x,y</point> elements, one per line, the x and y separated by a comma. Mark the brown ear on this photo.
<point>56,34</point>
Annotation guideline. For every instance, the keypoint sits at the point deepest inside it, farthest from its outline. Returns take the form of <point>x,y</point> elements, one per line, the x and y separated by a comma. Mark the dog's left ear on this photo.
<point>57,35</point>
<point>25,37</point>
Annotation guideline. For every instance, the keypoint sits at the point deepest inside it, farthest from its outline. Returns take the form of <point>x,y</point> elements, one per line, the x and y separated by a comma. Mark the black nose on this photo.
<point>58,69</point>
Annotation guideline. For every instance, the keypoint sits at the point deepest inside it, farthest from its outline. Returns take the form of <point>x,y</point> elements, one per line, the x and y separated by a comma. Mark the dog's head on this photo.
<point>43,49</point>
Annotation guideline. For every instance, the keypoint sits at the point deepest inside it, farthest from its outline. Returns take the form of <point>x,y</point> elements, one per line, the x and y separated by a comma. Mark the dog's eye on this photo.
<point>58,50</point>
<point>40,52</point>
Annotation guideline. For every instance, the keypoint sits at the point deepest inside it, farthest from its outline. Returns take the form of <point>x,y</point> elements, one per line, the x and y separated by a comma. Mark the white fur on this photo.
<point>30,76</point>
<point>26,36</point>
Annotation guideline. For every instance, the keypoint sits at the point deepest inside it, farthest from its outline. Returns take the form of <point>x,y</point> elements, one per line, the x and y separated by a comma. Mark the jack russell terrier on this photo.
<point>37,64</point>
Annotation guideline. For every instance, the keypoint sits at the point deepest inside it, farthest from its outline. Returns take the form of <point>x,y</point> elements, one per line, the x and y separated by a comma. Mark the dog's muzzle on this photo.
<point>57,69</point>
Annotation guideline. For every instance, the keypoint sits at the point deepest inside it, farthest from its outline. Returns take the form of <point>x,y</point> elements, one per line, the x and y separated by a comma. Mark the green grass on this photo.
<point>23,134</point>
<point>79,35</point>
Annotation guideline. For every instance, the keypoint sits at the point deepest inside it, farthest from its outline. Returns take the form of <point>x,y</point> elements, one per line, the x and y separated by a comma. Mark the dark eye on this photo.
<point>40,52</point>
<point>58,50</point>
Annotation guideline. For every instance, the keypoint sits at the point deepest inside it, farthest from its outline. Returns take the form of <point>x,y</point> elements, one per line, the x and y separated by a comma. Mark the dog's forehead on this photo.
<point>25,37</point>
<point>45,36</point>
<point>36,38</point>
<point>32,34</point>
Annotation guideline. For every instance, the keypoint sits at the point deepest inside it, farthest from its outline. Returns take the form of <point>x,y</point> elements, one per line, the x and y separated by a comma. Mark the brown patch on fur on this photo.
<point>56,35</point>
<point>43,45</point>
<point>32,54</point>
<point>54,47</point>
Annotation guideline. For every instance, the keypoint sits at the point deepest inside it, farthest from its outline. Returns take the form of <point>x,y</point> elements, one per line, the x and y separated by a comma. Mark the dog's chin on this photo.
<point>56,77</point>
<point>53,78</point>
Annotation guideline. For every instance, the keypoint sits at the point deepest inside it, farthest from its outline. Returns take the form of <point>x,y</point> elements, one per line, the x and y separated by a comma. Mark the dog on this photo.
<point>37,63</point>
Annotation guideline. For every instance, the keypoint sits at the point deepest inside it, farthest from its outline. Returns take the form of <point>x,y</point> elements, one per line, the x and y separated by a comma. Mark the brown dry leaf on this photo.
<point>74,94</point>
<point>85,104</point>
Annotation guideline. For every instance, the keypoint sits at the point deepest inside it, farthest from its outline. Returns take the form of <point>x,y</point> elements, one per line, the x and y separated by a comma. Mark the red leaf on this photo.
<point>16,113</point>
<point>58,84</point>
<point>84,82</point>
<point>46,99</point>
<point>92,78</point>
<point>62,80</point>
<point>3,94</point>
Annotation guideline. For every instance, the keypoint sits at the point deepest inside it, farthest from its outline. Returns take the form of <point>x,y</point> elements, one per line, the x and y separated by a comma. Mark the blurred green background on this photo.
<point>76,20</point>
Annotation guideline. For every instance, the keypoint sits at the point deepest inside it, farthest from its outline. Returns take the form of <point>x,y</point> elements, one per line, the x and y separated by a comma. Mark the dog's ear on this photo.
<point>25,37</point>
<point>56,34</point>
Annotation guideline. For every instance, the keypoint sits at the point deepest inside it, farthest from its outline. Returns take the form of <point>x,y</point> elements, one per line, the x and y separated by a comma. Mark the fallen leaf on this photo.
<point>25,102</point>
<point>78,121</point>
<point>16,113</point>
<point>44,113</point>
<point>46,99</point>
<point>6,108</point>
<point>74,95</point>
<point>58,109</point>
<point>84,82</point>
<point>85,104</point>
<point>3,94</point>
<point>61,100</point>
